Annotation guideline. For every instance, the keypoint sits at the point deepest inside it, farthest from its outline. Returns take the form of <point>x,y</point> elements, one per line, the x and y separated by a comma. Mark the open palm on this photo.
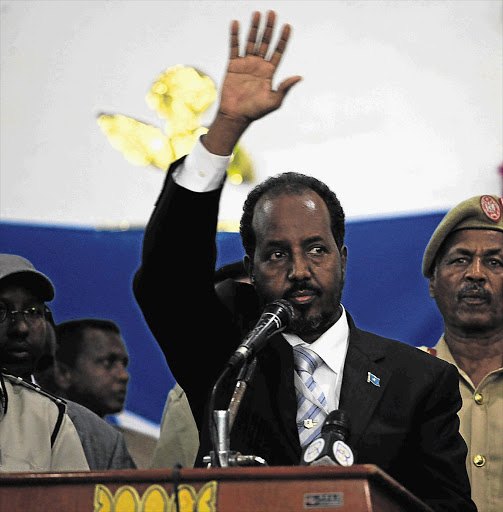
<point>247,92</point>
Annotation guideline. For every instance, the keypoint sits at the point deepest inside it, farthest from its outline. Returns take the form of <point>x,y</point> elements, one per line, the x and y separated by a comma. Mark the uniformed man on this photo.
<point>36,434</point>
<point>464,263</point>
<point>24,321</point>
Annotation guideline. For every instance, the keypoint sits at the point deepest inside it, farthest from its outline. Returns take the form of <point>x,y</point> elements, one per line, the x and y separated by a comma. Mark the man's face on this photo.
<point>296,258</point>
<point>99,380</point>
<point>22,341</point>
<point>467,284</point>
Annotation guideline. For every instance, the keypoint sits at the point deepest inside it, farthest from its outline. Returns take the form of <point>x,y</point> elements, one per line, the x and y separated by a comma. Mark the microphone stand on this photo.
<point>222,421</point>
<point>244,377</point>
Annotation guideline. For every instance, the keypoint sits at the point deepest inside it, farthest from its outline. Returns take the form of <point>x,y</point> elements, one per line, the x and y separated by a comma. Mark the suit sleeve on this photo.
<point>444,483</point>
<point>174,288</point>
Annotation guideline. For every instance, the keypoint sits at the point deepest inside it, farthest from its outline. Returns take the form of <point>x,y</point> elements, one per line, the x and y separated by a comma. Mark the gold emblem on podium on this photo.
<point>156,499</point>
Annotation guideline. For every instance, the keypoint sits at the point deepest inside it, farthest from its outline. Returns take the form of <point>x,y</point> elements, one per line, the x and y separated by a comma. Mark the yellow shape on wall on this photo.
<point>179,95</point>
<point>156,499</point>
<point>140,143</point>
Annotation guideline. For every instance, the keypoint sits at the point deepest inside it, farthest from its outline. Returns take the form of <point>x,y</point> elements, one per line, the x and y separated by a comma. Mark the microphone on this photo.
<point>275,318</point>
<point>330,448</point>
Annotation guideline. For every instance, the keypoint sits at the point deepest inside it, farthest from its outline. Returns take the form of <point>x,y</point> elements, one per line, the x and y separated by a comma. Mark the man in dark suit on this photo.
<point>402,407</point>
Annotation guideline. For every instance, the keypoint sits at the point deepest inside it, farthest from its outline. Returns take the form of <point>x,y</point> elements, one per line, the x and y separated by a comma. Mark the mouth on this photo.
<point>474,299</point>
<point>474,293</point>
<point>121,395</point>
<point>302,297</point>
<point>18,351</point>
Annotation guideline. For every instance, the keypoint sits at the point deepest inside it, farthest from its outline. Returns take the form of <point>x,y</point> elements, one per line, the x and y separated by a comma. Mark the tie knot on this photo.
<point>305,359</point>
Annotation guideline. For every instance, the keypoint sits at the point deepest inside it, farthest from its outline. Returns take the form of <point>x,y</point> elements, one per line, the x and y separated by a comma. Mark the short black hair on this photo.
<point>69,336</point>
<point>290,183</point>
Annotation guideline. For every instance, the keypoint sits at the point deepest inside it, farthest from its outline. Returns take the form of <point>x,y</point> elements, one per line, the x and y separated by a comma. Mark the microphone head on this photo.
<point>337,420</point>
<point>282,309</point>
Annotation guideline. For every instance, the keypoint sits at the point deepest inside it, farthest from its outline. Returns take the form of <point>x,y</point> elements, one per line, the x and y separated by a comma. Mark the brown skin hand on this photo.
<point>247,93</point>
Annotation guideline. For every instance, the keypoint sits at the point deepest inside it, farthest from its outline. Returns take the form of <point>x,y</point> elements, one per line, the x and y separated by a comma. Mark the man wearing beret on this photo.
<point>464,263</point>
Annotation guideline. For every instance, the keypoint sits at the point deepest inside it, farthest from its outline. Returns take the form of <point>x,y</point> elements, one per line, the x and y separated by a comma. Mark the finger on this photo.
<point>252,34</point>
<point>287,84</point>
<point>234,39</point>
<point>267,35</point>
<point>281,46</point>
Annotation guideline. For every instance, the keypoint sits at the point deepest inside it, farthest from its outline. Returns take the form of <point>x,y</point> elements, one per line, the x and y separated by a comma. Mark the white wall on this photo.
<point>400,109</point>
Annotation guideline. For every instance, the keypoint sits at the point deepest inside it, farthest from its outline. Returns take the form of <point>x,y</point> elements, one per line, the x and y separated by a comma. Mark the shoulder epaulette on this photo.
<point>34,387</point>
<point>37,389</point>
<point>430,350</point>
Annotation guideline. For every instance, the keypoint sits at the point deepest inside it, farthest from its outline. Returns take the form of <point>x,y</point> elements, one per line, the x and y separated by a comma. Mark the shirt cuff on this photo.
<point>201,171</point>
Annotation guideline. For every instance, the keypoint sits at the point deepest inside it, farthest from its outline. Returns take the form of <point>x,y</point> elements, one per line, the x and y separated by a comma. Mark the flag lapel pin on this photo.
<point>373,379</point>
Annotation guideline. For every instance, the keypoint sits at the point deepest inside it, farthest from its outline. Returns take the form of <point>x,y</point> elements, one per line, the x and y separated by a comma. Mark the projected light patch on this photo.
<point>180,95</point>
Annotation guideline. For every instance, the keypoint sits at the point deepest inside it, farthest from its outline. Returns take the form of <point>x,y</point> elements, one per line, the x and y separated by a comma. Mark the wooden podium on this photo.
<point>361,488</point>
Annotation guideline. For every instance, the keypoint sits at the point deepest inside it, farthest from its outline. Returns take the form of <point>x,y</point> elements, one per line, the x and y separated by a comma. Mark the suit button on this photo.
<point>479,399</point>
<point>479,460</point>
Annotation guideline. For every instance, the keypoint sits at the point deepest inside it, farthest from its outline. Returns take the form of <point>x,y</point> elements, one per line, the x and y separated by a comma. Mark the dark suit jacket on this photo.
<point>104,446</point>
<point>407,425</point>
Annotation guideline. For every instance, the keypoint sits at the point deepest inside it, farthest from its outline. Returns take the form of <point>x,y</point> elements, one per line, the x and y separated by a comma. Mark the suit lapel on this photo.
<point>364,381</point>
<point>286,399</point>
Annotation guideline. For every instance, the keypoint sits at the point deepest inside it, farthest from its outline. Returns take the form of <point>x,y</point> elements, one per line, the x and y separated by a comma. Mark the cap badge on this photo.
<point>491,208</point>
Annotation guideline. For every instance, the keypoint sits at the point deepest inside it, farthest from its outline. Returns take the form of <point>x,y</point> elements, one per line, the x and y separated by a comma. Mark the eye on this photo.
<point>35,312</point>
<point>495,262</point>
<point>461,260</point>
<point>317,250</point>
<point>106,363</point>
<point>276,255</point>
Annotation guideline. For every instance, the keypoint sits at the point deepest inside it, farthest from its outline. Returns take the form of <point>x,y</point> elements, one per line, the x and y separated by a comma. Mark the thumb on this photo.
<point>286,85</point>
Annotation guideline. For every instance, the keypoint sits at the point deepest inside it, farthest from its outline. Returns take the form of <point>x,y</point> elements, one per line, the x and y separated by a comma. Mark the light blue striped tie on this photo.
<point>311,401</point>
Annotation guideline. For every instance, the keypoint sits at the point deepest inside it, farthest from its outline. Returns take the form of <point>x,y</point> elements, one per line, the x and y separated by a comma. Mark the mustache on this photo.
<point>298,288</point>
<point>474,290</point>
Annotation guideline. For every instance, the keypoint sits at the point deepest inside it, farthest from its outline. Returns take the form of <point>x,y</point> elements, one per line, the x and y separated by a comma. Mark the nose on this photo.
<point>123,374</point>
<point>300,269</point>
<point>475,271</point>
<point>17,321</point>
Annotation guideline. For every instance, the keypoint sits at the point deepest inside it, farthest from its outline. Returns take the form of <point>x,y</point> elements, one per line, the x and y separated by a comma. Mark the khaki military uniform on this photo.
<point>35,432</point>
<point>481,418</point>
<point>179,439</point>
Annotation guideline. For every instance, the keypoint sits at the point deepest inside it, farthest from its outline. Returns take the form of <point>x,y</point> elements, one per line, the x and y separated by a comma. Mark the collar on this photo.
<point>444,352</point>
<point>331,346</point>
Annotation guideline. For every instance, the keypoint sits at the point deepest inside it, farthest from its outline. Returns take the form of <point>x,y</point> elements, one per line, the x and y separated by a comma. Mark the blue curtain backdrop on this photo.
<point>92,272</point>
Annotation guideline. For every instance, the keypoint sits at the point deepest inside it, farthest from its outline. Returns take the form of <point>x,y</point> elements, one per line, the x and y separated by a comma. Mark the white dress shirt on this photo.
<point>201,171</point>
<point>331,346</point>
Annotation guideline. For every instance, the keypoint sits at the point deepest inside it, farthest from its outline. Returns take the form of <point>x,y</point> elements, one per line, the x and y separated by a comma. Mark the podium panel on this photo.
<point>363,488</point>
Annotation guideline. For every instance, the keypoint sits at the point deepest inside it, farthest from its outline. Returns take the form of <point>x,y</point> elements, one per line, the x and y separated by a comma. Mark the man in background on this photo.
<point>92,362</point>
<point>464,264</point>
<point>91,369</point>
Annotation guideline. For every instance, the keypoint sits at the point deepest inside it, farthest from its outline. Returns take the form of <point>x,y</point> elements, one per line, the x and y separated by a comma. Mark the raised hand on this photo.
<point>247,93</point>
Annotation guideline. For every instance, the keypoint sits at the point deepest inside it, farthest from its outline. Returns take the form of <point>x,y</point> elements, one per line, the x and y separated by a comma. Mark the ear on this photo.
<point>62,375</point>
<point>247,262</point>
<point>431,287</point>
<point>344,259</point>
